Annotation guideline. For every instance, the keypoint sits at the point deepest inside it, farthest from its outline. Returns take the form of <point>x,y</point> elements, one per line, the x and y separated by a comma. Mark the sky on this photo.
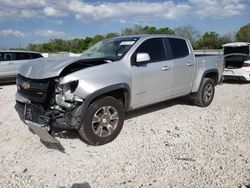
<point>37,21</point>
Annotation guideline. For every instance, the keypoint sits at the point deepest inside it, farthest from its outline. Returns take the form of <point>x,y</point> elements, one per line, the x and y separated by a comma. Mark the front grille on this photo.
<point>34,90</point>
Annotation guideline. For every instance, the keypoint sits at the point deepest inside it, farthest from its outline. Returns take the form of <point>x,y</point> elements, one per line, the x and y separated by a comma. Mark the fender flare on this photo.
<point>103,91</point>
<point>210,71</point>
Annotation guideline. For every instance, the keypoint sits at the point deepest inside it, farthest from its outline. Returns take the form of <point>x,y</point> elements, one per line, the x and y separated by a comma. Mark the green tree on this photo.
<point>85,43</point>
<point>128,31</point>
<point>165,30</point>
<point>243,35</point>
<point>210,40</point>
<point>189,32</point>
<point>138,29</point>
<point>47,47</point>
<point>228,38</point>
<point>32,47</point>
<point>96,39</point>
<point>150,30</point>
<point>112,35</point>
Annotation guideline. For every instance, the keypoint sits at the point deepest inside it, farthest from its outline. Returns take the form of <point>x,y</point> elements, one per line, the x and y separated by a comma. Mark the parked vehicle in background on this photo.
<point>11,60</point>
<point>91,93</point>
<point>237,61</point>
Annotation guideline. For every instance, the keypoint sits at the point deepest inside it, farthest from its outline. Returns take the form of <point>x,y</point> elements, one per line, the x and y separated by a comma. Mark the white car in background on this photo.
<point>11,60</point>
<point>237,61</point>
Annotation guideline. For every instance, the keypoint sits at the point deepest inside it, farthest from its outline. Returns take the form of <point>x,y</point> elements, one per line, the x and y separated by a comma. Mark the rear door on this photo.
<point>183,66</point>
<point>151,81</point>
<point>20,59</point>
<point>7,68</point>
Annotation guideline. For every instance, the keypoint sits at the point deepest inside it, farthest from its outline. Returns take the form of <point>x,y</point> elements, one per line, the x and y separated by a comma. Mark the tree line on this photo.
<point>208,40</point>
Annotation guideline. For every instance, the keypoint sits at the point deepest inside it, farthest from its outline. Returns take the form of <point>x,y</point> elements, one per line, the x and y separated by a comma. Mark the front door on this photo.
<point>151,81</point>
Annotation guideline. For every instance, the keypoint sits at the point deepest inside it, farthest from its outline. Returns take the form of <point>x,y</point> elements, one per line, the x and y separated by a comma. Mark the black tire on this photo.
<point>205,95</point>
<point>94,130</point>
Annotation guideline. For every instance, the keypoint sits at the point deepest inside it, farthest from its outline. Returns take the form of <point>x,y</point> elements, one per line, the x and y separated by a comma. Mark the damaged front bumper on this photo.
<point>42,132</point>
<point>32,116</point>
<point>47,106</point>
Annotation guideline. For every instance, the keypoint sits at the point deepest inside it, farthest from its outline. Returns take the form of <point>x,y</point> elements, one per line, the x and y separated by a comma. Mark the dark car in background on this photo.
<point>11,60</point>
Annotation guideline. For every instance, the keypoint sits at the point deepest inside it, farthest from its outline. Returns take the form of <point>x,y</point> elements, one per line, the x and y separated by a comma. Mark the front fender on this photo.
<point>97,78</point>
<point>89,99</point>
<point>108,89</point>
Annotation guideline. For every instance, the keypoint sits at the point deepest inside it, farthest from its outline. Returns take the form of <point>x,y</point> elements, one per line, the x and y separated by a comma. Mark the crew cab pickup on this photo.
<point>91,93</point>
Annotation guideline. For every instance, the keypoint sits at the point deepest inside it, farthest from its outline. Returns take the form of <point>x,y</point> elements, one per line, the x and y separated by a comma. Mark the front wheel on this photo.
<point>205,95</point>
<point>103,121</point>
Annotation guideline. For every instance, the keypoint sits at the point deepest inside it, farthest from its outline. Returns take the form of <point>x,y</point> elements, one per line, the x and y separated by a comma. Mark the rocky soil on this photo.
<point>171,144</point>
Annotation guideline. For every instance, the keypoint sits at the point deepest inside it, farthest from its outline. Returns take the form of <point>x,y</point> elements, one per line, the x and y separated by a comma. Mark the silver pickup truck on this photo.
<point>92,93</point>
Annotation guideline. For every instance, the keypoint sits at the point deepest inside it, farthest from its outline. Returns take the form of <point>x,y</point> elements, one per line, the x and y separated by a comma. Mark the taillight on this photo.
<point>246,65</point>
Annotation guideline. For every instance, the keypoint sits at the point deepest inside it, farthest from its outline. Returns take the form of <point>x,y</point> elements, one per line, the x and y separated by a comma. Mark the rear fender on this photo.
<point>204,75</point>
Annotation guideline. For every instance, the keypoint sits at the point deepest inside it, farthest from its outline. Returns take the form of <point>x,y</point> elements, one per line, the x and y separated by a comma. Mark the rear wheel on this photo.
<point>205,95</point>
<point>103,121</point>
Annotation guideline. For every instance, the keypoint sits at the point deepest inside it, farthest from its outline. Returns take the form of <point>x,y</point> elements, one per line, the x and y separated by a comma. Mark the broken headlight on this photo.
<point>65,96</point>
<point>69,87</point>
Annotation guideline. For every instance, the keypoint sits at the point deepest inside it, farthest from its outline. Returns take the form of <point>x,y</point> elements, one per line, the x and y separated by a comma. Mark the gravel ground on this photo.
<point>171,144</point>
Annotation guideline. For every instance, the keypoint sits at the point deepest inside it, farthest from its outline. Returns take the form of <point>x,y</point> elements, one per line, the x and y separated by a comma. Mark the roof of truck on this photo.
<point>236,44</point>
<point>20,51</point>
<point>150,36</point>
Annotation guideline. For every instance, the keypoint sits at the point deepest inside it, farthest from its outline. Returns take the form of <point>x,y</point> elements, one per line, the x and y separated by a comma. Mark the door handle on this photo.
<point>11,63</point>
<point>189,64</point>
<point>165,68</point>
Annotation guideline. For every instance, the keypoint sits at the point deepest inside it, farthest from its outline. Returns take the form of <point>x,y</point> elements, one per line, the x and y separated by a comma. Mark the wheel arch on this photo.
<point>211,73</point>
<point>119,91</point>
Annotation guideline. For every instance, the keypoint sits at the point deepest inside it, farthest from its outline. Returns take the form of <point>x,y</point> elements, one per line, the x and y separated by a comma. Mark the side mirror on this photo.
<point>142,58</point>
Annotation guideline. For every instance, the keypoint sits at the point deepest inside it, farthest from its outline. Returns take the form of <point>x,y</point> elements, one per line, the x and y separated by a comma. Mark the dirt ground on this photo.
<point>171,144</point>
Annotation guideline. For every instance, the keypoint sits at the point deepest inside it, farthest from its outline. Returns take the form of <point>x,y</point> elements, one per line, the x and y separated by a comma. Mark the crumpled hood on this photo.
<point>43,68</point>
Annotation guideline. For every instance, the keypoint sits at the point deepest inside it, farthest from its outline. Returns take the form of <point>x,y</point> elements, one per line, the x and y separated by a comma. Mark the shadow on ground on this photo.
<point>7,84</point>
<point>73,134</point>
<point>236,82</point>
<point>79,185</point>
<point>159,106</point>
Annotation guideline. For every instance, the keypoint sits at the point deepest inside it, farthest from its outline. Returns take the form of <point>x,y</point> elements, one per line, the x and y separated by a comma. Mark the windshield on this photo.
<point>112,49</point>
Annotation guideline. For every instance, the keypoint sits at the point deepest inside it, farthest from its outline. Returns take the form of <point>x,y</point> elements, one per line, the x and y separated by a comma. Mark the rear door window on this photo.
<point>35,55</point>
<point>179,48</point>
<point>1,56</point>
<point>7,56</point>
<point>155,49</point>
<point>22,56</point>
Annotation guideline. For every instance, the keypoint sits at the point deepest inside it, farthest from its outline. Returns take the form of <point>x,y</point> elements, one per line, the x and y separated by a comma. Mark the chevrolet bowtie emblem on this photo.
<point>26,85</point>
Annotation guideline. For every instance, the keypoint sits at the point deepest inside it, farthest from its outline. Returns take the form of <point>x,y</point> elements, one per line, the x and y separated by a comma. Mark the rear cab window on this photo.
<point>177,47</point>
